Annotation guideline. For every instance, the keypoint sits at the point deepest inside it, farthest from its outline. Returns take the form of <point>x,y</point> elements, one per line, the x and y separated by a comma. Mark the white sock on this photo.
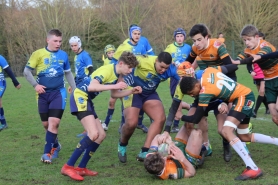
<point>260,138</point>
<point>206,144</point>
<point>241,151</point>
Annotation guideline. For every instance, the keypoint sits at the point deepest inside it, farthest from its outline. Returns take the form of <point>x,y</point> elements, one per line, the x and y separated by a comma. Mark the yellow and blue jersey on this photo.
<point>107,61</point>
<point>50,67</point>
<point>137,49</point>
<point>105,75</point>
<point>82,61</point>
<point>179,53</point>
<point>3,65</point>
<point>145,42</point>
<point>145,75</point>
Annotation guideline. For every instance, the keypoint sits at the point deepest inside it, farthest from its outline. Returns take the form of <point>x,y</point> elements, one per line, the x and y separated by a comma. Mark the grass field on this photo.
<point>22,146</point>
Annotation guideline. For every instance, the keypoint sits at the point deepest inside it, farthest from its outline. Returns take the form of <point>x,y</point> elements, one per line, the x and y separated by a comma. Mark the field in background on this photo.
<point>22,145</point>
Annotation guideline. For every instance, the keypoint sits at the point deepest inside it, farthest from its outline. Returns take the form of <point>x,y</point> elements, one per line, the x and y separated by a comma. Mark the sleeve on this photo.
<point>174,73</point>
<point>226,60</point>
<point>195,118</point>
<point>11,75</point>
<point>191,58</point>
<point>88,60</point>
<point>3,62</point>
<point>171,115</point>
<point>222,52</point>
<point>228,68</point>
<point>101,74</point>
<point>249,68</point>
<point>66,63</point>
<point>205,96</point>
<point>241,56</point>
<point>119,52</point>
<point>270,55</point>
<point>33,61</point>
<point>149,48</point>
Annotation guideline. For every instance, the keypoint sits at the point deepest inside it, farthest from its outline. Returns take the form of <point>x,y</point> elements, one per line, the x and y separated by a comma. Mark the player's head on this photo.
<point>185,69</point>
<point>54,40</point>
<point>250,36</point>
<point>75,44</point>
<point>190,86</point>
<point>134,33</point>
<point>163,61</point>
<point>154,163</point>
<point>220,35</point>
<point>199,34</point>
<point>126,63</point>
<point>179,36</point>
<point>109,51</point>
<point>261,36</point>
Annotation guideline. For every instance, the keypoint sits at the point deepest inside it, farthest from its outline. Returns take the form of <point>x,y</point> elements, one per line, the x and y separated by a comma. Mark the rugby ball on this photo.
<point>163,149</point>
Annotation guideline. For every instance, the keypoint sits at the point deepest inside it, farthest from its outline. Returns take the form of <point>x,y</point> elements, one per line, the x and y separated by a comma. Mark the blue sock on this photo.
<point>88,154</point>
<point>176,123</point>
<point>81,146</point>
<point>109,116</point>
<point>141,117</point>
<point>56,143</point>
<point>2,117</point>
<point>49,141</point>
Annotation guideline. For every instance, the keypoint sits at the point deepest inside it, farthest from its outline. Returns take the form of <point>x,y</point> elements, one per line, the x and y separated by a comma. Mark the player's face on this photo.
<point>136,34</point>
<point>161,67</point>
<point>124,68</point>
<point>110,54</point>
<point>220,36</point>
<point>179,39</point>
<point>195,91</point>
<point>54,43</point>
<point>199,41</point>
<point>251,42</point>
<point>74,47</point>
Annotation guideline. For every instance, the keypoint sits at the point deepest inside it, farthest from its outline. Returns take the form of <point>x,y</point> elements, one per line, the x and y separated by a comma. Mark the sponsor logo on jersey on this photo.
<point>263,44</point>
<point>217,44</point>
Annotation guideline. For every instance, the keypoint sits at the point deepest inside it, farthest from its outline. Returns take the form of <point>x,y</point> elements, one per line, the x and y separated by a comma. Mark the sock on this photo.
<point>88,154</point>
<point>81,146</point>
<point>265,103</point>
<point>206,144</point>
<point>241,151</point>
<point>141,117</point>
<point>109,116</point>
<point>49,141</point>
<point>260,138</point>
<point>56,143</point>
<point>176,123</point>
<point>144,149</point>
<point>258,103</point>
<point>2,117</point>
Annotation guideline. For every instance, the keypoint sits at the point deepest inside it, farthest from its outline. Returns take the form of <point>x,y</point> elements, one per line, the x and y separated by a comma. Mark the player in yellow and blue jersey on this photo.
<point>109,51</point>
<point>179,52</point>
<point>4,66</point>
<point>103,79</point>
<point>82,60</point>
<point>51,64</point>
<point>148,74</point>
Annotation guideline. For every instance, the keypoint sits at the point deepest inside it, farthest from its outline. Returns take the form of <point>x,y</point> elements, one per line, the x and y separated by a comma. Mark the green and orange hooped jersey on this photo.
<point>210,56</point>
<point>170,170</point>
<point>215,84</point>
<point>269,66</point>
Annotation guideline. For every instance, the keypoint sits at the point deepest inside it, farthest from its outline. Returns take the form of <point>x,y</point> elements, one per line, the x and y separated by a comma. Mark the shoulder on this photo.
<point>216,43</point>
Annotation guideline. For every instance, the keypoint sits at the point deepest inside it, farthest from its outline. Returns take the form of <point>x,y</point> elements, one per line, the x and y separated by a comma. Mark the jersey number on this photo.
<point>223,81</point>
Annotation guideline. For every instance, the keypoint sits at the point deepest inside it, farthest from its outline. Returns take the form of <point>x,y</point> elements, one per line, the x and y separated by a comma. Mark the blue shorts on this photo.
<point>52,100</point>
<point>173,86</point>
<point>213,105</point>
<point>81,102</point>
<point>2,88</point>
<point>138,100</point>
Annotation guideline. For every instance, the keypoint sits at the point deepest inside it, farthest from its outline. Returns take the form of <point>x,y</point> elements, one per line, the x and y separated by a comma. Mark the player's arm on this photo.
<point>96,86</point>
<point>8,70</point>
<point>196,117</point>
<point>191,58</point>
<point>249,68</point>
<point>123,93</point>
<point>70,79</point>
<point>171,115</point>
<point>228,68</point>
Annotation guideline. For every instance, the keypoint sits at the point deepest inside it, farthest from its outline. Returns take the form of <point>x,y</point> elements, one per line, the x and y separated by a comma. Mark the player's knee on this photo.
<point>275,119</point>
<point>228,128</point>
<point>244,137</point>
<point>111,104</point>
<point>93,135</point>
<point>102,135</point>
<point>197,132</point>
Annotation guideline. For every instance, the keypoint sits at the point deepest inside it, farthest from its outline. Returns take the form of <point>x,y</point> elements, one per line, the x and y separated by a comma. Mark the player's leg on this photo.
<point>260,97</point>
<point>155,110</point>
<point>140,122</point>
<point>110,112</point>
<point>271,93</point>
<point>2,116</point>
<point>262,89</point>
<point>175,127</point>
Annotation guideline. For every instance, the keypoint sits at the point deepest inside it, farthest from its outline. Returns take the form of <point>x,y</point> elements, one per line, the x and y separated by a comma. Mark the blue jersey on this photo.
<point>50,67</point>
<point>179,53</point>
<point>82,61</point>
<point>145,75</point>
<point>105,75</point>
<point>145,42</point>
<point>137,49</point>
<point>3,65</point>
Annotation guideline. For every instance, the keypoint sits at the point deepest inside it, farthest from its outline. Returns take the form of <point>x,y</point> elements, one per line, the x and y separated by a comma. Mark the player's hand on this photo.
<point>136,90</point>
<point>120,86</point>
<point>253,73</point>
<point>18,86</point>
<point>176,153</point>
<point>69,90</point>
<point>223,108</point>
<point>255,57</point>
<point>178,114</point>
<point>163,137</point>
<point>40,89</point>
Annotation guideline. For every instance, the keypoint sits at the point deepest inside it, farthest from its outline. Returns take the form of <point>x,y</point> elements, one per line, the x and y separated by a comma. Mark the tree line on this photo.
<point>24,23</point>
